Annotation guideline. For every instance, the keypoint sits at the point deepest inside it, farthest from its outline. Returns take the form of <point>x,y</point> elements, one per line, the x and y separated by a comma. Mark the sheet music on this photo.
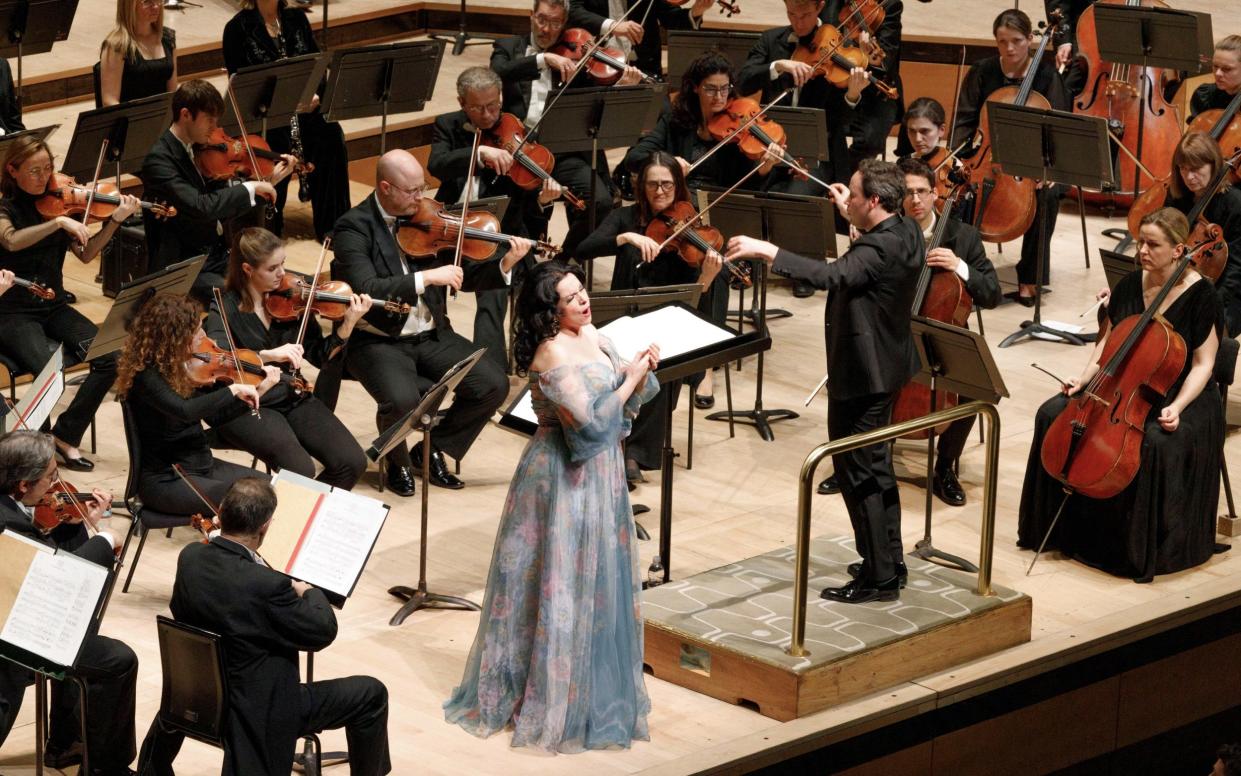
<point>338,541</point>
<point>54,607</point>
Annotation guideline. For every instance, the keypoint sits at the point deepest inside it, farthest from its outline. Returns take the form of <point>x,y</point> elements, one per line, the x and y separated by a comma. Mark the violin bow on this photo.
<point>465,202</point>
<point>215,510</point>
<point>90,195</point>
<point>245,141</point>
<point>314,285</point>
<point>698,216</point>
<point>232,346</point>
<point>740,128</point>
<point>73,499</point>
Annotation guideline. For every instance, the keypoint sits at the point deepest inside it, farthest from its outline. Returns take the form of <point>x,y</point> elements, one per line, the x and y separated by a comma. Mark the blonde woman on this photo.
<point>137,59</point>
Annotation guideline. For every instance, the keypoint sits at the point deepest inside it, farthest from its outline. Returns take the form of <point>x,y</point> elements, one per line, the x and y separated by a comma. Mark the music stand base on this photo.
<point>420,598</point>
<point>460,41</point>
<point>926,551</point>
<point>758,417</point>
<point>304,761</point>
<point>1030,328</point>
<point>752,316</point>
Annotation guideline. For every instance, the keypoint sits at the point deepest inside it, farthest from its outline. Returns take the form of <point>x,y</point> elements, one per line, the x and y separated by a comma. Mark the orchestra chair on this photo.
<point>194,700</point>
<point>1225,366</point>
<point>10,371</point>
<point>144,520</point>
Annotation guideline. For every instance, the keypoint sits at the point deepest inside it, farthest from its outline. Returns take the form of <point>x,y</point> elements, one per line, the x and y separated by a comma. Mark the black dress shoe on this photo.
<point>902,572</point>
<point>1024,301</point>
<point>861,591</point>
<point>802,289</point>
<point>401,480</point>
<point>440,476</point>
<point>704,402</point>
<point>78,464</point>
<point>946,485</point>
<point>829,486</point>
<point>69,297</point>
<point>61,759</point>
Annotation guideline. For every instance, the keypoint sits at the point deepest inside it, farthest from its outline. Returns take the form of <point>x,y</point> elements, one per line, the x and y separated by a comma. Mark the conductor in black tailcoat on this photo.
<point>870,355</point>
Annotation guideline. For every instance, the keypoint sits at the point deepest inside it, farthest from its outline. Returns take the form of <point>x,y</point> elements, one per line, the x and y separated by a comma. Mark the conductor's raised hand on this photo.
<point>448,275</point>
<point>745,247</point>
<point>838,193</point>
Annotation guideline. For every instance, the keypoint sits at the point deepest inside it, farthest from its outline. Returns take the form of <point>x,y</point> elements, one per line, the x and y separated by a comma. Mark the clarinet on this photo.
<point>295,140</point>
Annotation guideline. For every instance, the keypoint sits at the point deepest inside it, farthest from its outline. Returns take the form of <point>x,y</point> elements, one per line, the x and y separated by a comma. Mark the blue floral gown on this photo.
<point>558,653</point>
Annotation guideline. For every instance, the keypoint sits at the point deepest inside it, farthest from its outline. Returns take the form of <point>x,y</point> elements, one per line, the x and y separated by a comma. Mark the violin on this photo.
<point>942,164</point>
<point>223,157</point>
<point>693,242</point>
<point>533,163</point>
<point>864,16</point>
<point>606,65</point>
<point>61,504</point>
<point>831,58</point>
<point>726,7</point>
<point>209,364</point>
<point>66,197</point>
<point>433,229</point>
<point>38,289</point>
<point>329,300</point>
<point>756,138</point>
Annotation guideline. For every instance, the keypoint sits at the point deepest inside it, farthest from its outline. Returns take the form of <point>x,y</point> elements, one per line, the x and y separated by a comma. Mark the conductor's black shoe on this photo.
<point>401,480</point>
<point>829,486</point>
<point>902,571</point>
<point>63,758</point>
<point>946,485</point>
<point>802,289</point>
<point>441,477</point>
<point>861,592</point>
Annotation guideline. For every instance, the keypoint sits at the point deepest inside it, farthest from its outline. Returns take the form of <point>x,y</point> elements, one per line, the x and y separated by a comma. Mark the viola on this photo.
<point>832,58</point>
<point>756,138</point>
<point>533,163</point>
<point>433,229</point>
<point>692,243</point>
<point>1004,206</point>
<point>38,289</point>
<point>1224,126</point>
<point>328,300</point>
<point>61,504</point>
<point>606,65</point>
<point>223,157</point>
<point>726,7</point>
<point>66,197</point>
<point>864,16</point>
<point>209,364</point>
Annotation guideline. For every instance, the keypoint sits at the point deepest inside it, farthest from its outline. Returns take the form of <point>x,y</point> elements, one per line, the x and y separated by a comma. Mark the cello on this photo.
<point>1224,127</point>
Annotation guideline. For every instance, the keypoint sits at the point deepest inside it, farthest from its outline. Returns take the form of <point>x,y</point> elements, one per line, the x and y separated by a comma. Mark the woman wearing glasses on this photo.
<point>137,59</point>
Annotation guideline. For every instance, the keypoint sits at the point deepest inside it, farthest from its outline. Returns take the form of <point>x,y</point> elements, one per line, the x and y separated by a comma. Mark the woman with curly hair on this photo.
<point>169,409</point>
<point>558,653</point>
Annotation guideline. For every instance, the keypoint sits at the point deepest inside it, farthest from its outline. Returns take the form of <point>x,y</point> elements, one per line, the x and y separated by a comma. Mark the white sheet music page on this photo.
<point>673,328</point>
<point>54,606</point>
<point>338,541</point>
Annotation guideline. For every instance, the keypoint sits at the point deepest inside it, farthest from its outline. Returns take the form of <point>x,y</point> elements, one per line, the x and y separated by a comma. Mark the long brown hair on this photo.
<point>254,245</point>
<point>160,337</point>
<point>668,162</point>
<point>19,151</point>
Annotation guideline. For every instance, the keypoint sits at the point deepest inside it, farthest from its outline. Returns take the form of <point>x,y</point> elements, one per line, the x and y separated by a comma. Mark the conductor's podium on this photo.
<point>725,632</point>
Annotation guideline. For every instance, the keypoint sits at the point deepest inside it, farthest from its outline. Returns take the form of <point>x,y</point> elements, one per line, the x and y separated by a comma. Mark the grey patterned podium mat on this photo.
<point>746,607</point>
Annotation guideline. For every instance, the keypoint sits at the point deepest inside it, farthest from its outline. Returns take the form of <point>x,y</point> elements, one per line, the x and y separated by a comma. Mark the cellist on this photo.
<point>1164,521</point>
<point>1226,72</point>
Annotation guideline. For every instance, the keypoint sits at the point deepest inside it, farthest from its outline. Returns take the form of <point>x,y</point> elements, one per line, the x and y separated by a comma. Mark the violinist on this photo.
<point>138,58</point>
<point>109,667</point>
<point>390,351</point>
<point>34,249</point>
<point>639,35</point>
<point>169,408</point>
<point>1194,163</point>
<point>1014,34</point>
<point>170,175</point>
<point>295,428</point>
<point>924,129</point>
<point>1164,521</point>
<point>638,265</point>
<point>1074,67</point>
<point>266,31</point>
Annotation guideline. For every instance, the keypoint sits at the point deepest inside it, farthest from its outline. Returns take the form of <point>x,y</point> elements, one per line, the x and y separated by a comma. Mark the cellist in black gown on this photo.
<point>1164,521</point>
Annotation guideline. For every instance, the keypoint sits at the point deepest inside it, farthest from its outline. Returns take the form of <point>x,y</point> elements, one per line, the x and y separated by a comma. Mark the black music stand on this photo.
<point>271,93</point>
<point>684,46</point>
<point>31,27</point>
<point>1116,266</point>
<point>175,279</point>
<point>1052,147</point>
<point>462,39</point>
<point>130,130</point>
<point>423,418</point>
<point>600,118</point>
<point>957,361</point>
<point>380,81</point>
<point>38,134</point>
<point>805,130</point>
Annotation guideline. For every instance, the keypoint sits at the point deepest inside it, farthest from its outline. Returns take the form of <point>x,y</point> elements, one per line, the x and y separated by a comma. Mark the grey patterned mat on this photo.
<point>747,606</point>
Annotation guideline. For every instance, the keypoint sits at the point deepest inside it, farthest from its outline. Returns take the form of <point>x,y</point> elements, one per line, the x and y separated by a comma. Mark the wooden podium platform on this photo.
<point>724,632</point>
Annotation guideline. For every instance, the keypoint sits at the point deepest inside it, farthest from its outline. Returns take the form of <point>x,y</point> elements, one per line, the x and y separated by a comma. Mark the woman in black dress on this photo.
<point>34,249</point>
<point>622,234</point>
<point>138,57</point>
<point>266,31</point>
<point>1164,521</point>
<point>1014,37</point>
<point>169,410</point>
<point>294,428</point>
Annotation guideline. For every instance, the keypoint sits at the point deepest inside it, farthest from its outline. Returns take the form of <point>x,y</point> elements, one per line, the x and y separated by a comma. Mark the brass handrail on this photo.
<point>883,434</point>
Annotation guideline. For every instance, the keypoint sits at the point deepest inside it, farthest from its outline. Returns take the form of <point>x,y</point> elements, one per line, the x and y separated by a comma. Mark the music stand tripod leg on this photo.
<point>462,38</point>
<point>924,549</point>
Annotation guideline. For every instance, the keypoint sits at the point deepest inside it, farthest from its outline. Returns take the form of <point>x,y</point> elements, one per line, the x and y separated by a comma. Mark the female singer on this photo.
<point>169,409</point>
<point>293,427</point>
<point>1226,70</point>
<point>639,264</point>
<point>34,249</point>
<point>138,58</point>
<point>1165,520</point>
<point>1014,35</point>
<point>558,652</point>
<point>266,31</point>
<point>1194,163</point>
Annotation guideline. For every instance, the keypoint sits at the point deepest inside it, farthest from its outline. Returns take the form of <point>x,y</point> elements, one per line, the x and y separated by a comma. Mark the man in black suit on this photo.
<point>109,667</point>
<point>639,32</point>
<point>388,352</point>
<point>10,106</point>
<point>870,354</point>
<point>265,619</point>
<point>169,176</point>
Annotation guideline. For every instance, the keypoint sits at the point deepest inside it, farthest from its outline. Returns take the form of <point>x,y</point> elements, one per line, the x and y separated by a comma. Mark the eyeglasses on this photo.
<point>490,107</point>
<point>548,22</point>
<point>416,191</point>
<point>716,91</point>
<point>660,185</point>
<point>151,3</point>
<point>37,171</point>
<point>920,193</point>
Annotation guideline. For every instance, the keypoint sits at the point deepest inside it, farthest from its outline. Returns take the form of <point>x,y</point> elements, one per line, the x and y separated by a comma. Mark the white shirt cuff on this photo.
<point>420,284</point>
<point>508,277</point>
<point>852,103</point>
<point>695,22</point>
<point>963,271</point>
<point>771,70</point>
<point>541,61</point>
<point>608,24</point>
<point>250,186</point>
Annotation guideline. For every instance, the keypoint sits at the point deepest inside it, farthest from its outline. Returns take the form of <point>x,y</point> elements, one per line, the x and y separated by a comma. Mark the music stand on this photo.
<point>958,361</point>
<point>805,130</point>
<point>684,46</point>
<point>32,26</point>
<point>1116,266</point>
<point>130,128</point>
<point>175,279</point>
<point>1053,147</point>
<point>462,38</point>
<point>1152,37</point>
<point>381,80</point>
<point>38,134</point>
<point>271,93</point>
<point>423,418</point>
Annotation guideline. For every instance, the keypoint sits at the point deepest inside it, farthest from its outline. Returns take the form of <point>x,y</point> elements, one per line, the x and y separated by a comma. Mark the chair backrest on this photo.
<point>195,693</point>
<point>134,445</point>
<point>1226,360</point>
<point>98,89</point>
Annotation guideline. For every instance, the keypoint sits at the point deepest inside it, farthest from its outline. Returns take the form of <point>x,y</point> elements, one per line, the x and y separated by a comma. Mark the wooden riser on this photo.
<point>783,694</point>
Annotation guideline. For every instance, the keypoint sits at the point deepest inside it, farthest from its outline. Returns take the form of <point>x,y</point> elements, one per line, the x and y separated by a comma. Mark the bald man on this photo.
<point>388,352</point>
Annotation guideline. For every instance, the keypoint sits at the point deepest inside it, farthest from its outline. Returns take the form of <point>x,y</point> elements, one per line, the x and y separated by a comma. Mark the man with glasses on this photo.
<point>109,667</point>
<point>388,351</point>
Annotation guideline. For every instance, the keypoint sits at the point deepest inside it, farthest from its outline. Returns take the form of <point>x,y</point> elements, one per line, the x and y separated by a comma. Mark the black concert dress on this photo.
<point>147,77</point>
